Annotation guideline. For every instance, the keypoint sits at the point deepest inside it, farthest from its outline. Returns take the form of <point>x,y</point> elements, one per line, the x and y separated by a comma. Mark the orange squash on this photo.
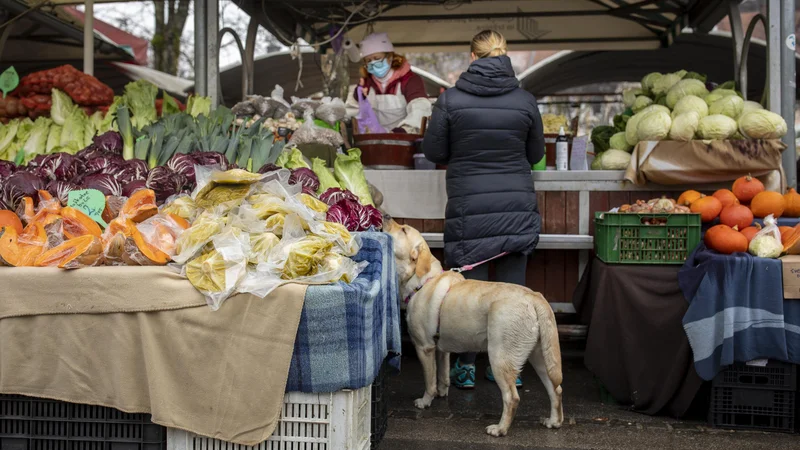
<point>10,219</point>
<point>791,241</point>
<point>140,206</point>
<point>725,240</point>
<point>114,204</point>
<point>22,249</point>
<point>766,203</point>
<point>726,197</point>
<point>83,251</point>
<point>688,197</point>
<point>76,223</point>
<point>792,200</point>
<point>138,252</point>
<point>736,216</point>
<point>26,210</point>
<point>746,188</point>
<point>785,232</point>
<point>750,232</point>
<point>708,208</point>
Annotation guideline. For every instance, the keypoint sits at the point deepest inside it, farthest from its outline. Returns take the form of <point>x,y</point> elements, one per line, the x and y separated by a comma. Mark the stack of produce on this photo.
<point>736,209</point>
<point>85,90</point>
<point>253,232</point>
<point>11,108</point>
<point>679,106</point>
<point>345,191</point>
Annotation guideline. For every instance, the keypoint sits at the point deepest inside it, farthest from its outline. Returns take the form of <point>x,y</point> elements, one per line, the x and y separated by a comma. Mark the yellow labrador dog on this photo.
<point>448,314</point>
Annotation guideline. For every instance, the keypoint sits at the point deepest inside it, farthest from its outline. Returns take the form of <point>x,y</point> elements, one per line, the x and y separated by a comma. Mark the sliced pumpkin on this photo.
<point>83,251</point>
<point>54,230</point>
<point>23,249</point>
<point>140,206</point>
<point>9,248</point>
<point>76,224</point>
<point>26,210</point>
<point>114,204</point>
<point>11,219</point>
<point>138,252</point>
<point>179,221</point>
<point>791,241</point>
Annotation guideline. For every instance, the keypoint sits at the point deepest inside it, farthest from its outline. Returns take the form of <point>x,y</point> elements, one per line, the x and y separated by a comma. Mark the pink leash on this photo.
<point>469,267</point>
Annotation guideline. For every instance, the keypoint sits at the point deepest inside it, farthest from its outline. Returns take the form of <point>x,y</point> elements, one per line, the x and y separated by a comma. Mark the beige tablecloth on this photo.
<point>142,340</point>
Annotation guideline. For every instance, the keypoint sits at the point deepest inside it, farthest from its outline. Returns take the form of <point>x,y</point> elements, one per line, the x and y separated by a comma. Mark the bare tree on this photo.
<point>170,20</point>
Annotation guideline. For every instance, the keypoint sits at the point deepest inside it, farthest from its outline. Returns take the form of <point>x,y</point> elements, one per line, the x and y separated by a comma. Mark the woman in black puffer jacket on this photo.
<point>488,132</point>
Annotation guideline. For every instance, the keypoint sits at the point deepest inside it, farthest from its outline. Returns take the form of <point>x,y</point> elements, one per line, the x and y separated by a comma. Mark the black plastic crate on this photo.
<point>753,409</point>
<point>28,423</point>
<point>380,405</point>
<point>775,375</point>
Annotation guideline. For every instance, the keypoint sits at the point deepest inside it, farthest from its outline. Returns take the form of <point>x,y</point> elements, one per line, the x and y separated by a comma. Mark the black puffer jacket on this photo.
<point>488,132</point>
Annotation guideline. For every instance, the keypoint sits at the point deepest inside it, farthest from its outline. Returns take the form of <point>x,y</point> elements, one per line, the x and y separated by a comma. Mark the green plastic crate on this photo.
<point>626,239</point>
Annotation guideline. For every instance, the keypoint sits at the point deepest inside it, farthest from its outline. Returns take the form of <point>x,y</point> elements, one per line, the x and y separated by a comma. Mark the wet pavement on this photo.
<point>458,421</point>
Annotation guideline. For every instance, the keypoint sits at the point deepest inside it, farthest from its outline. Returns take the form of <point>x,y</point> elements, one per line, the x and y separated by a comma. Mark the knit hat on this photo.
<point>376,43</point>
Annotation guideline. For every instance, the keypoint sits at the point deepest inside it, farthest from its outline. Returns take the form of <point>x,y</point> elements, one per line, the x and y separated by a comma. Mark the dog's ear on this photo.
<point>423,257</point>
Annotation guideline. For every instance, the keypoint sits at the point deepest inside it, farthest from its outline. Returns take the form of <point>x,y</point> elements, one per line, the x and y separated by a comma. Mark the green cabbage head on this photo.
<point>641,103</point>
<point>750,105</point>
<point>684,126</point>
<point>629,96</point>
<point>649,80</point>
<point>762,124</point>
<point>619,142</point>
<point>690,103</point>
<point>614,159</point>
<point>630,130</point>
<point>731,106</point>
<point>665,83</point>
<point>654,126</point>
<point>716,126</point>
<point>683,88</point>
<point>717,94</point>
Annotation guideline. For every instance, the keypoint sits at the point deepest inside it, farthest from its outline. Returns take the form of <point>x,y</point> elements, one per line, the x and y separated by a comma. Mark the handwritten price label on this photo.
<point>90,202</point>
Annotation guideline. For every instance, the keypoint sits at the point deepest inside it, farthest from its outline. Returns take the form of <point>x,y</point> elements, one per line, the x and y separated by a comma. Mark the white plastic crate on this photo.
<point>333,421</point>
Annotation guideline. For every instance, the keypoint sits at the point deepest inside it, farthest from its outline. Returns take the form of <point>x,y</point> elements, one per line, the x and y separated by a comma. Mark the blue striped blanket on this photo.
<point>347,330</point>
<point>736,311</point>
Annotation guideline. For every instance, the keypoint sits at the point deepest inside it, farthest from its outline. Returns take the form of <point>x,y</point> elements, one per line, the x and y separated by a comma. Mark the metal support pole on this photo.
<point>200,48</point>
<point>212,33</point>
<point>774,54</point>
<point>250,54</point>
<point>88,37</point>
<point>737,33</point>
<point>788,90</point>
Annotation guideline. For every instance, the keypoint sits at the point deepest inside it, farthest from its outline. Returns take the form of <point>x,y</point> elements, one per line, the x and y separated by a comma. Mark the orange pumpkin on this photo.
<point>689,197</point>
<point>708,208</point>
<point>736,216</point>
<point>766,203</point>
<point>10,219</point>
<point>726,197</point>
<point>785,232</point>
<point>725,240</point>
<point>792,200</point>
<point>750,232</point>
<point>746,188</point>
<point>791,241</point>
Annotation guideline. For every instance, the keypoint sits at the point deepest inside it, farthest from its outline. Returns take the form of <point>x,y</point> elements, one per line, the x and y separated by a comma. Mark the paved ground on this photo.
<point>458,421</point>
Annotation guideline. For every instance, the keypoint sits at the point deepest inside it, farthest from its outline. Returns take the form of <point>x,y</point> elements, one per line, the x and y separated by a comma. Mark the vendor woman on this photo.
<point>396,94</point>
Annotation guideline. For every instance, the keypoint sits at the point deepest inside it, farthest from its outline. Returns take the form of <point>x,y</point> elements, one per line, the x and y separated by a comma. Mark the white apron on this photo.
<point>390,109</point>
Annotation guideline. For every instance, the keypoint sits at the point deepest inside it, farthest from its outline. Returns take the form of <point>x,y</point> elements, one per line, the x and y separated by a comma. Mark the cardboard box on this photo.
<point>791,276</point>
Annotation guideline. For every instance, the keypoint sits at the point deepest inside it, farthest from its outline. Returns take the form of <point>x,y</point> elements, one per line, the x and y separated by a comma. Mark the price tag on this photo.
<point>90,202</point>
<point>9,80</point>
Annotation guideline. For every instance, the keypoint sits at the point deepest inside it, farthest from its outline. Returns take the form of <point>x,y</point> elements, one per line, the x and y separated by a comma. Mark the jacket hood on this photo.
<point>489,77</point>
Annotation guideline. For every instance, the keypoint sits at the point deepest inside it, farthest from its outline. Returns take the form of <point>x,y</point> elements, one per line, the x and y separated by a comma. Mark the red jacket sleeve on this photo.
<point>414,87</point>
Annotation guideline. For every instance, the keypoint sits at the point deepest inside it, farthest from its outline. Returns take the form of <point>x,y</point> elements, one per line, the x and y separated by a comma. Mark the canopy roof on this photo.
<point>48,37</point>
<point>279,68</point>
<point>710,54</point>
<point>448,25</point>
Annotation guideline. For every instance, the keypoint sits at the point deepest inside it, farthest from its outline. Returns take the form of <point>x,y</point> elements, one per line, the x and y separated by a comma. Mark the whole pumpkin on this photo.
<point>689,197</point>
<point>792,199</point>
<point>750,232</point>
<point>708,207</point>
<point>766,203</point>
<point>725,240</point>
<point>746,188</point>
<point>10,219</point>
<point>726,197</point>
<point>736,216</point>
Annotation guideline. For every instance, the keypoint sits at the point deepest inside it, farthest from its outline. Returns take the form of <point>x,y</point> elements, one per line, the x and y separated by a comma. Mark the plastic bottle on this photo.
<point>562,151</point>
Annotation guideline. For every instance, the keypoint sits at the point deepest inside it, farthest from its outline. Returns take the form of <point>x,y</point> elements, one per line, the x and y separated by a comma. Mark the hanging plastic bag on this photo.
<point>331,111</point>
<point>367,119</point>
<point>767,242</point>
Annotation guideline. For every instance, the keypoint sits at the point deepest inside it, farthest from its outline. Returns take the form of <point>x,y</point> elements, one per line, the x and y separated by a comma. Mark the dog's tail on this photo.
<point>548,338</point>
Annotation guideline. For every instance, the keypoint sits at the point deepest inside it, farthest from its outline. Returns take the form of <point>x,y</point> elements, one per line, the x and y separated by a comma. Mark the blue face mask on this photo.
<point>379,68</point>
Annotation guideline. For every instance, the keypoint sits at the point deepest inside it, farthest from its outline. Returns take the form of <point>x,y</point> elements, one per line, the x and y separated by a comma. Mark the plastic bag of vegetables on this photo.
<point>767,242</point>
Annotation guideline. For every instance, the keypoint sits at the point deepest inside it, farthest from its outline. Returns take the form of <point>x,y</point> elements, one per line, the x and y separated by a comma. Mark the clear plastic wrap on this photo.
<point>310,133</point>
<point>216,273</point>
<point>301,105</point>
<point>162,232</point>
<point>208,224</point>
<point>767,242</point>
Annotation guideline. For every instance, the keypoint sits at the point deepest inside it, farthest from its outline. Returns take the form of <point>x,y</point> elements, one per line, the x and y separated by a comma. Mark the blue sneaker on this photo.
<point>490,377</point>
<point>463,376</point>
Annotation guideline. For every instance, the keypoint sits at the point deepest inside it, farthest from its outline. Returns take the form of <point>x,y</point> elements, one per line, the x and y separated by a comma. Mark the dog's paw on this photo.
<point>443,390</point>
<point>495,430</point>
<point>422,403</point>
<point>551,423</point>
